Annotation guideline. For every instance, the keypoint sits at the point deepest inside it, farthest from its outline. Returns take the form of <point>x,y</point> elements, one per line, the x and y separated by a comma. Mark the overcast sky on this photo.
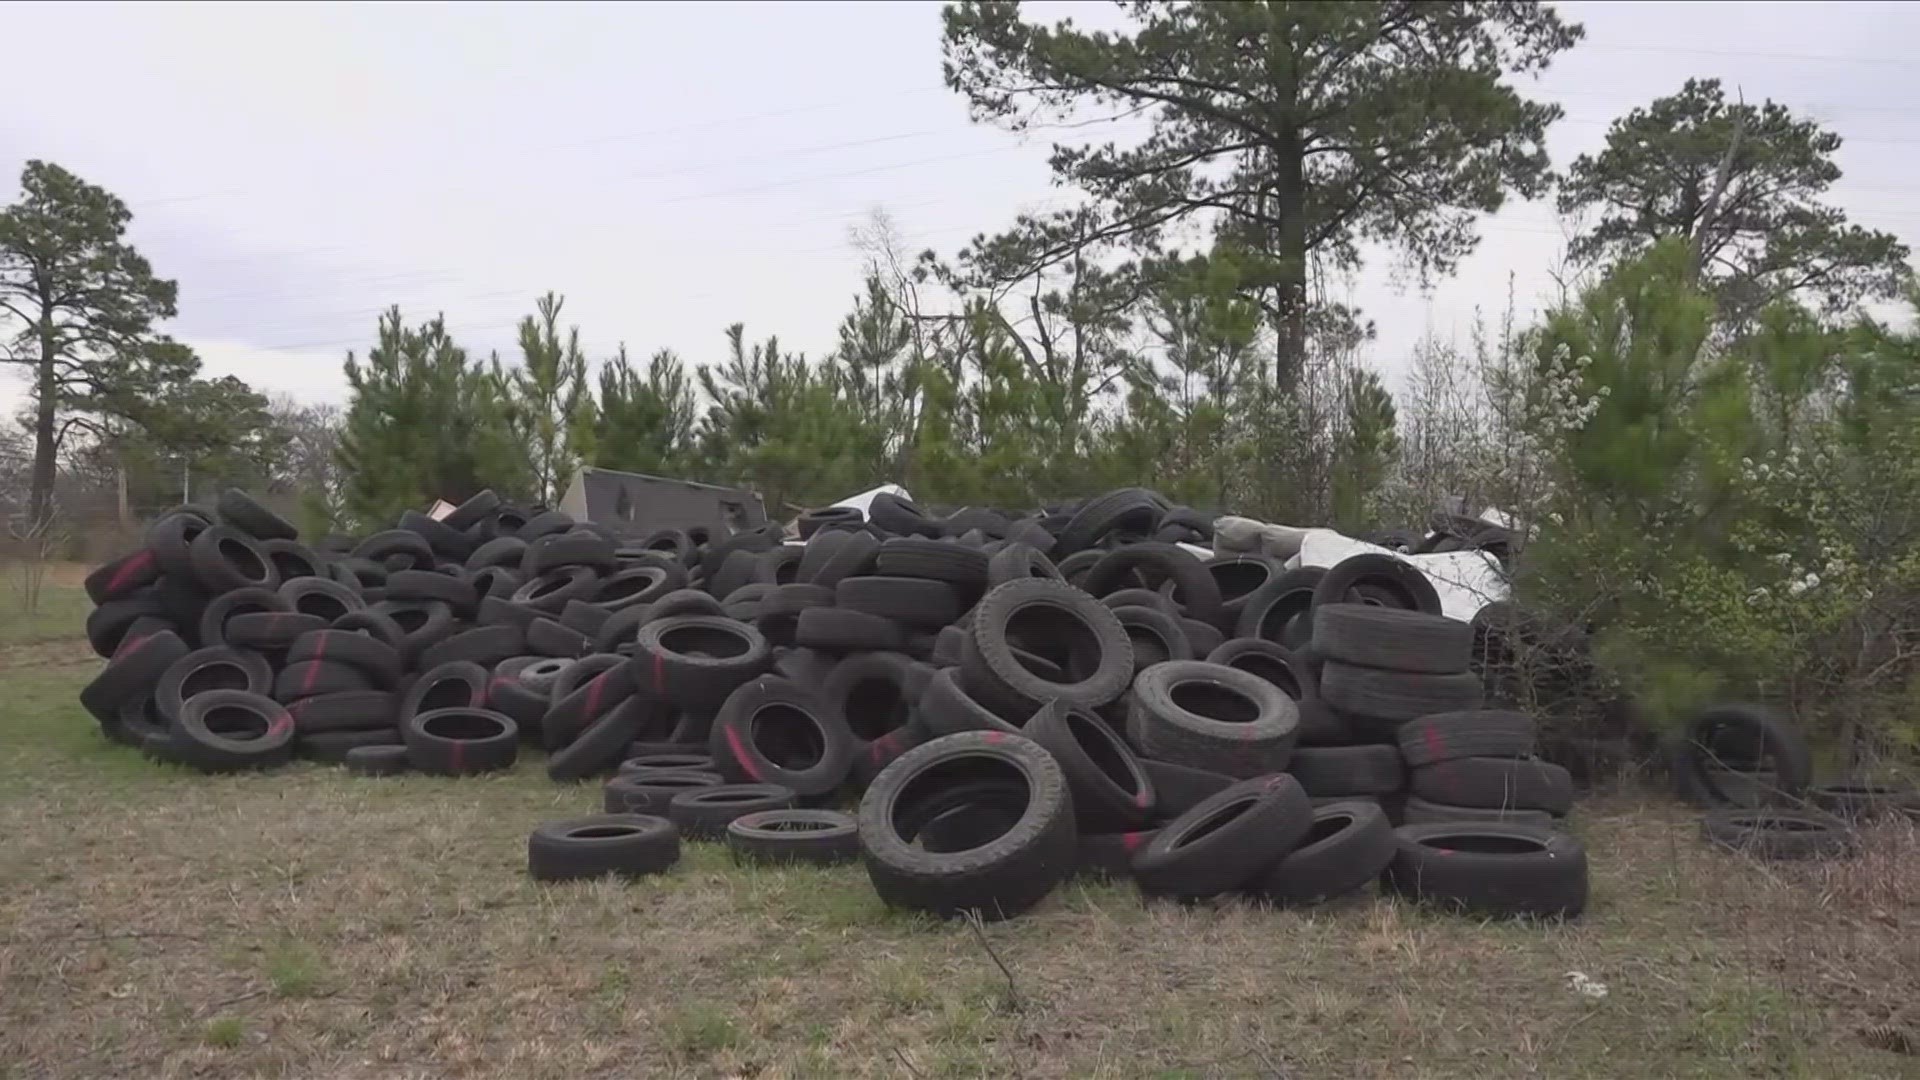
<point>675,168</point>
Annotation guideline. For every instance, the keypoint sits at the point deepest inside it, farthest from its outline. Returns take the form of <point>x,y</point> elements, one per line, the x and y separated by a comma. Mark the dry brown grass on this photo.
<point>311,924</point>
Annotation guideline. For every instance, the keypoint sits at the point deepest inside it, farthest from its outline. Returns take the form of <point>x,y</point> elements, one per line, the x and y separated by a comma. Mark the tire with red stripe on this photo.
<point>696,661</point>
<point>134,671</point>
<point>375,658</point>
<point>348,710</point>
<point>455,684</point>
<point>460,741</point>
<point>589,689</point>
<point>773,731</point>
<point>1475,733</point>
<point>123,576</point>
<point>311,678</point>
<point>232,730</point>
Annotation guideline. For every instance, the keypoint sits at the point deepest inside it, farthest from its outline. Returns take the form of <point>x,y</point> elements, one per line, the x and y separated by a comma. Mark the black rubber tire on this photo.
<point>238,509</point>
<point>346,710</point>
<point>779,565</point>
<point>638,584</point>
<point>1265,660</point>
<point>376,659</point>
<point>229,605</point>
<point>548,593</point>
<point>815,837</point>
<point>1110,855</point>
<point>1278,610</point>
<point>695,661</point>
<point>1865,800</point>
<point>1131,510</point>
<point>1489,733</point>
<point>522,687</point>
<point>294,560</point>
<point>1419,811</point>
<point>908,601</point>
<point>811,522</point>
<point>1397,696</point>
<point>1111,789</point>
<point>123,577</point>
<point>851,556</point>
<point>684,601</point>
<point>704,813</point>
<point>673,543</point>
<point>1779,834</point>
<point>841,630</point>
<point>1248,730</point>
<point>875,695</point>
<point>134,673</point>
<point>1760,734</point>
<point>1490,869</point>
<point>652,793</point>
<point>1156,636</point>
<point>483,645</point>
<point>460,742</point>
<point>998,879</point>
<point>623,845</point>
<point>602,744</point>
<point>310,678</point>
<point>448,544</point>
<point>1145,598</point>
<point>772,731</point>
<point>562,550</point>
<point>203,740</point>
<point>1496,782</point>
<point>545,637</point>
<point>274,631</point>
<point>1348,845</point>
<point>502,551</point>
<point>171,540</point>
<point>1199,593</point>
<point>422,623</point>
<point>209,669</point>
<point>1337,771</point>
<point>473,510</point>
<point>899,516</point>
<point>589,690</point>
<point>396,549</point>
<point>1238,577</point>
<point>387,760</point>
<point>456,593</point>
<point>108,624</point>
<point>666,762</point>
<point>1036,614</point>
<point>545,523</point>
<point>963,567</point>
<point>1390,638</point>
<point>323,597</point>
<point>1388,579</point>
<point>946,708</point>
<point>1228,841</point>
<point>456,684</point>
<point>1019,560</point>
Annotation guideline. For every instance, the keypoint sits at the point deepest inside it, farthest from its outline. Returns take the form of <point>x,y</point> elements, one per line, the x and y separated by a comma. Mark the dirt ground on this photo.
<point>155,923</point>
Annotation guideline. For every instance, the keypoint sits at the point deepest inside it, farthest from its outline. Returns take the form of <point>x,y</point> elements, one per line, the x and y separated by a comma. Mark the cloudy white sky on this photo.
<point>675,168</point>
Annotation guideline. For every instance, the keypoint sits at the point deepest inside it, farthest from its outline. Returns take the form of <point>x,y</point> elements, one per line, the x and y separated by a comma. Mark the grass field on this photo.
<point>155,923</point>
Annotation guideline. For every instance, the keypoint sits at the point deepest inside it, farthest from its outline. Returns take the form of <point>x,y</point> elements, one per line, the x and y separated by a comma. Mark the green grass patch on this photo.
<point>61,611</point>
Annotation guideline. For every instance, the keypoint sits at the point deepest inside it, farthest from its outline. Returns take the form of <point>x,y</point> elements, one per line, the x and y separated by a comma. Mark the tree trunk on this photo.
<point>1291,345</point>
<point>46,389</point>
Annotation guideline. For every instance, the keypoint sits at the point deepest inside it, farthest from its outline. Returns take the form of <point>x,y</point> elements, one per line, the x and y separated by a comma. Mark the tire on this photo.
<point>1212,717</point>
<point>696,661</point>
<point>448,544</point>
<point>524,690</point>
<point>1265,660</point>
<point>1490,869</point>
<point>273,631</point>
<point>389,760</point>
<point>1778,834</point>
<point>484,645</point>
<point>851,556</point>
<point>1178,789</point>
<point>570,549</point>
<point>422,623</point>
<point>771,731</point>
<point>908,601</point>
<point>1389,638</point>
<point>779,565</point>
<point>1484,733</point>
<point>1238,577</point>
<point>474,510</point>
<point>123,577</point>
<point>1397,696</point>
<point>1156,637</point>
<point>310,678</point>
<point>1388,579</point>
<point>544,524</point>
<point>345,710</point>
<point>230,731</point>
<point>108,624</point>
<point>397,549</point>
<point>1770,741</point>
<point>293,560</point>
<point>1278,610</point>
<point>1228,841</point>
<point>673,543</point>
<point>946,708</point>
<point>548,593</point>
<point>900,516</point>
<point>1419,811</point>
<point>456,593</point>
<point>134,673</point>
<point>997,879</point>
<point>1145,598</point>
<point>1054,620</point>
<point>1337,771</point>
<point>456,684</point>
<point>460,742</point>
<point>652,793</point>
<point>1111,789</point>
<point>624,845</point>
<point>1496,783</point>
<point>1017,561</point>
<point>502,551</point>
<point>171,541</point>
<point>841,630</point>
<point>704,813</point>
<point>589,690</point>
<point>230,605</point>
<point>602,744</point>
<point>322,597</point>
<point>1133,510</point>
<point>1862,801</point>
<point>1199,593</point>
<point>1110,855</point>
<point>875,695</point>
<point>332,747</point>
<point>206,670</point>
<point>638,585</point>
<point>666,762</point>
<point>815,837</point>
<point>811,522</point>
<point>377,660</point>
<point>1348,845</point>
<point>960,566</point>
<point>238,510</point>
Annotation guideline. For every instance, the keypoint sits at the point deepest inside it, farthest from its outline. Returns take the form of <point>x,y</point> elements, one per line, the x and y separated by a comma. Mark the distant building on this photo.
<point>636,505</point>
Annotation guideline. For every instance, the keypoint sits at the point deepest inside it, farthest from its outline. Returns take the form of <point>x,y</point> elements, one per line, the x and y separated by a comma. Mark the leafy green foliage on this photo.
<point>643,423</point>
<point>80,303</point>
<point>1771,237</point>
<point>424,424</point>
<point>1306,127</point>
<point>546,400</point>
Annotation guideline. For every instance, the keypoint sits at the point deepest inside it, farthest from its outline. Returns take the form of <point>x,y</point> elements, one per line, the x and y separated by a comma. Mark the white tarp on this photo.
<point>865,498</point>
<point>1466,580</point>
